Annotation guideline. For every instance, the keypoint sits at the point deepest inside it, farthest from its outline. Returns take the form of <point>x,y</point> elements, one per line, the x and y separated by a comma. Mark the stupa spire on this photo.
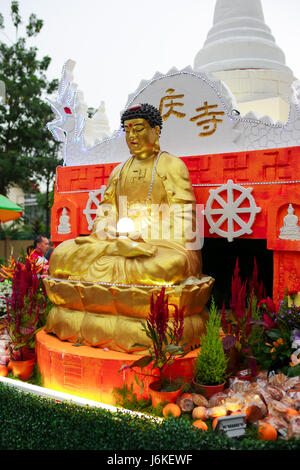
<point>239,39</point>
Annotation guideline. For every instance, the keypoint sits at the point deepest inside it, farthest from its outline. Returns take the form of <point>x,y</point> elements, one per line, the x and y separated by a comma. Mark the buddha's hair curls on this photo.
<point>143,111</point>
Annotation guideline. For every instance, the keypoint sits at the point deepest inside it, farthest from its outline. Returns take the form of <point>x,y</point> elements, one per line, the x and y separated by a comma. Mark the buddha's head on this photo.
<point>142,124</point>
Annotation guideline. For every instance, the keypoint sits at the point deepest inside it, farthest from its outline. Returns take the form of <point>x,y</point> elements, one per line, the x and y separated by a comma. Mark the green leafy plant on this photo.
<point>211,361</point>
<point>165,336</point>
<point>126,398</point>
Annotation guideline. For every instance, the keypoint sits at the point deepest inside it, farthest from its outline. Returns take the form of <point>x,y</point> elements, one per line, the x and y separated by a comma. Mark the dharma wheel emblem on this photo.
<point>92,205</point>
<point>231,210</point>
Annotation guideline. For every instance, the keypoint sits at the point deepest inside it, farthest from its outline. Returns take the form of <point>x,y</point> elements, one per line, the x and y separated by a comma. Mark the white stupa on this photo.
<point>241,51</point>
<point>97,127</point>
<point>101,123</point>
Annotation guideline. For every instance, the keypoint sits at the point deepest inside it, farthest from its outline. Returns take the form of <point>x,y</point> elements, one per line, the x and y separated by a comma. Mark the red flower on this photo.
<point>293,292</point>
<point>269,304</point>
<point>238,294</point>
<point>268,321</point>
<point>159,314</point>
<point>178,323</point>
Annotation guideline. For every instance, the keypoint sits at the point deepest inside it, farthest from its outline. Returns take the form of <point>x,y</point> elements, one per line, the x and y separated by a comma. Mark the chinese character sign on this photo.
<point>167,102</point>
<point>207,119</point>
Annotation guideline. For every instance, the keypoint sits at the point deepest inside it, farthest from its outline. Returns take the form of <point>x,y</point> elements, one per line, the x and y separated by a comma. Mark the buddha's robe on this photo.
<point>162,255</point>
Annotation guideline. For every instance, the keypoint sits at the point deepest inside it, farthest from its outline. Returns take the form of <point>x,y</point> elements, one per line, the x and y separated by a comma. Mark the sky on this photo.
<point>116,44</point>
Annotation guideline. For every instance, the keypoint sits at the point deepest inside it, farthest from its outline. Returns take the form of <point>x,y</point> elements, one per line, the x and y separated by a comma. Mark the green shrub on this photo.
<point>29,422</point>
<point>211,361</point>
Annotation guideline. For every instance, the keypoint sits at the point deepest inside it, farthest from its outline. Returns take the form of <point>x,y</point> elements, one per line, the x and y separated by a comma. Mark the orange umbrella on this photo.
<point>8,210</point>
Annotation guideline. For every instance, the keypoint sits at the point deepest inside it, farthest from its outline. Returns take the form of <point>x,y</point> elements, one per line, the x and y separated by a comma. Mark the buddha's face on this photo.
<point>141,138</point>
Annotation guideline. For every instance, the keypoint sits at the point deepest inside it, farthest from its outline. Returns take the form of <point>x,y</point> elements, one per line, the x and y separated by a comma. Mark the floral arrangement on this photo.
<point>279,348</point>
<point>238,323</point>
<point>165,335</point>
<point>25,306</point>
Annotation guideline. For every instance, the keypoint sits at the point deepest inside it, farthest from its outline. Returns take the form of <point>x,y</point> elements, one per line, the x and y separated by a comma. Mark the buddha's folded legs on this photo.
<point>95,262</point>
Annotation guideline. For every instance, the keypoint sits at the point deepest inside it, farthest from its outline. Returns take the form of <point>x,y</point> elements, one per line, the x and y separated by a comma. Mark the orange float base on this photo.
<point>93,373</point>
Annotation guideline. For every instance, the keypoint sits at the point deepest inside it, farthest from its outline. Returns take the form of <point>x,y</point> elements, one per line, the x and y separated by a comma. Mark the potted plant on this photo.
<point>211,361</point>
<point>25,307</point>
<point>165,335</point>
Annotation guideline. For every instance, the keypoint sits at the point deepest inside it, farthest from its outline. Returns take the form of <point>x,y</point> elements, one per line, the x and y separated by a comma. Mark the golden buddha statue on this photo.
<point>143,238</point>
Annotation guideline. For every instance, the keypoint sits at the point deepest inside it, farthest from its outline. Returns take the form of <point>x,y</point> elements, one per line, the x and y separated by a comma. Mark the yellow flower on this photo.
<point>273,350</point>
<point>280,341</point>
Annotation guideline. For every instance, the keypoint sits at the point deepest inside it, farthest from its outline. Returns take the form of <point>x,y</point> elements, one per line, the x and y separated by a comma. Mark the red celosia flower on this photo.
<point>269,304</point>
<point>268,321</point>
<point>238,294</point>
<point>26,301</point>
<point>178,324</point>
<point>159,314</point>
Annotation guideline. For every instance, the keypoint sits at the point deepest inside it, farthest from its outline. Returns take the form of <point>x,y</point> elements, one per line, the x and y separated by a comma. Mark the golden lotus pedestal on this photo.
<point>91,331</point>
<point>110,316</point>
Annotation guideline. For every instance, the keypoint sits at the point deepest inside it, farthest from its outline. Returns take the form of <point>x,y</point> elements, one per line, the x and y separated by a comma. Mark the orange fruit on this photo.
<point>214,423</point>
<point>200,425</point>
<point>292,412</point>
<point>171,409</point>
<point>3,370</point>
<point>267,432</point>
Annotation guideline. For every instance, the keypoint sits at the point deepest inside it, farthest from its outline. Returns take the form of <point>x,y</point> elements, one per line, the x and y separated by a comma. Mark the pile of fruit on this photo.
<point>270,403</point>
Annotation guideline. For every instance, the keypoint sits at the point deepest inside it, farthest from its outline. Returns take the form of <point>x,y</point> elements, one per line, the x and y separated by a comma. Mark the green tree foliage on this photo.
<point>28,153</point>
<point>211,362</point>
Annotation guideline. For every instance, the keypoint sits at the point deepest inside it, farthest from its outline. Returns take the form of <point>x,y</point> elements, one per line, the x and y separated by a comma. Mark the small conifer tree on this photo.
<point>211,361</point>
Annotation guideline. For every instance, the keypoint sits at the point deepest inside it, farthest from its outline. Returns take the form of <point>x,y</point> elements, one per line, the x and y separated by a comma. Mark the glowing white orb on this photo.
<point>125,225</point>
